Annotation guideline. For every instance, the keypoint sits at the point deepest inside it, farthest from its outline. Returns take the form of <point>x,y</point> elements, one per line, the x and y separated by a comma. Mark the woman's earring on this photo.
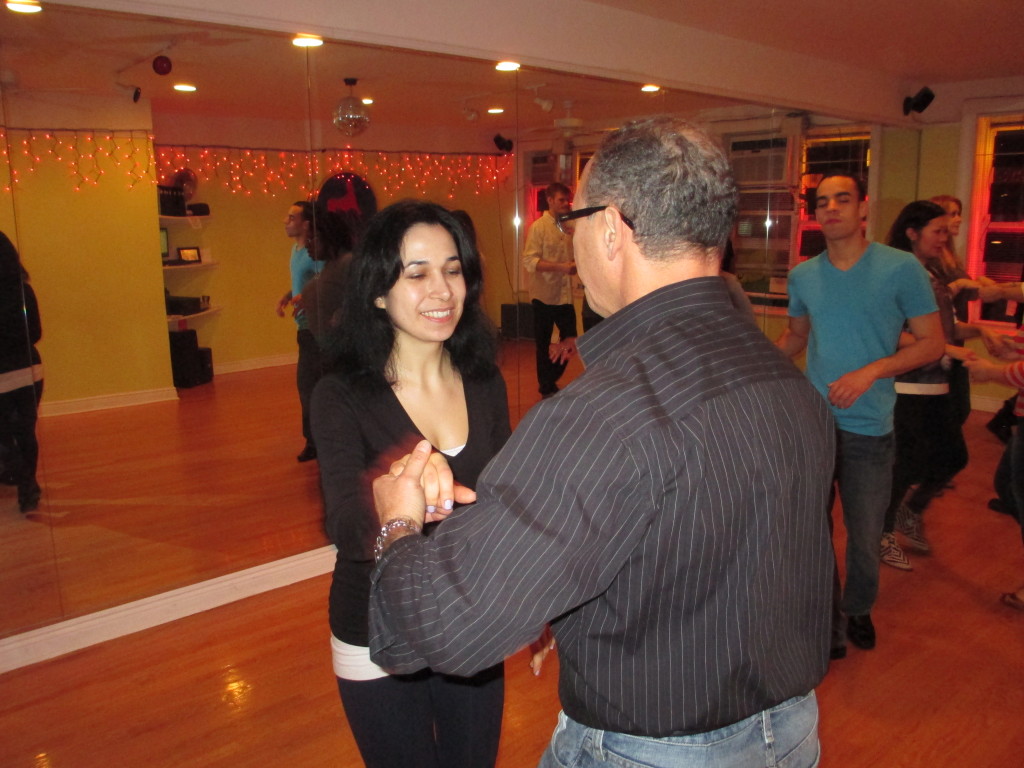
<point>379,302</point>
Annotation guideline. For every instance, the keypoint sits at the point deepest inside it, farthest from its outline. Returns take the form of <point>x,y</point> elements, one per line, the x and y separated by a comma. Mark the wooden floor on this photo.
<point>251,684</point>
<point>141,500</point>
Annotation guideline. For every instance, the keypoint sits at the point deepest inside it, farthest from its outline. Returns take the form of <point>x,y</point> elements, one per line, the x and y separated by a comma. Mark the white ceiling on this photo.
<point>247,73</point>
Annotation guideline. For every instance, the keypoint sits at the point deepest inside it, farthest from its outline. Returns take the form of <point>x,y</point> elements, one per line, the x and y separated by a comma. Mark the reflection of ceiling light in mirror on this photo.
<point>350,116</point>
<point>366,100</point>
<point>507,66</point>
<point>307,41</point>
<point>24,6</point>
<point>650,88</point>
<point>184,87</point>
<point>495,110</point>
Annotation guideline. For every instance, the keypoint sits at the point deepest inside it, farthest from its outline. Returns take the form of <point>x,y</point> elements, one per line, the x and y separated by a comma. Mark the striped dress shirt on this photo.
<point>666,512</point>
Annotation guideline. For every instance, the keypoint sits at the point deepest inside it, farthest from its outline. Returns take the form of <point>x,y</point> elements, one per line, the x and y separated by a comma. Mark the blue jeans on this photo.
<point>785,736</point>
<point>864,478</point>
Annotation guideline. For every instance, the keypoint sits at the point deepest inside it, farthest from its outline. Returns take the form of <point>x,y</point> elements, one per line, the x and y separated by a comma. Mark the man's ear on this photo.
<point>612,229</point>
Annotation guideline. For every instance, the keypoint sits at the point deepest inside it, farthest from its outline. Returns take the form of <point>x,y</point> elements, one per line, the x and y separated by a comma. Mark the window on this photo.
<point>996,244</point>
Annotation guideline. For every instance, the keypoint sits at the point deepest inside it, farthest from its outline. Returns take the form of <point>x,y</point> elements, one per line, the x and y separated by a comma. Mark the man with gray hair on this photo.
<point>665,513</point>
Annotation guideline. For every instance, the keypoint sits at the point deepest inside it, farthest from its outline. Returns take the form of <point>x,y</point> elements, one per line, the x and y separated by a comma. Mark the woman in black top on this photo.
<point>414,358</point>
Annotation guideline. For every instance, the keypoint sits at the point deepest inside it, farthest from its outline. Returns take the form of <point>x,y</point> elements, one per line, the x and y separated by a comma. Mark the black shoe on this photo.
<point>28,498</point>
<point>999,427</point>
<point>861,631</point>
<point>308,453</point>
<point>996,505</point>
<point>837,652</point>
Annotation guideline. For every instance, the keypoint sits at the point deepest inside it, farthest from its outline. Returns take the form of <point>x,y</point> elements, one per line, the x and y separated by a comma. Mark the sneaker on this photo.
<point>909,524</point>
<point>892,553</point>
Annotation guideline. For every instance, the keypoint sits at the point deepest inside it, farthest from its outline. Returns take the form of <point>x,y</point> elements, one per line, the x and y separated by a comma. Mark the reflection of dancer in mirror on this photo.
<point>415,359</point>
<point>297,225</point>
<point>548,258</point>
<point>21,376</point>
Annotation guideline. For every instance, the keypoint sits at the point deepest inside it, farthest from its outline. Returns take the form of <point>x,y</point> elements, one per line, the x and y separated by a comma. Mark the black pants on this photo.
<point>930,450</point>
<point>18,412</point>
<point>545,318</point>
<point>426,720</point>
<point>307,374</point>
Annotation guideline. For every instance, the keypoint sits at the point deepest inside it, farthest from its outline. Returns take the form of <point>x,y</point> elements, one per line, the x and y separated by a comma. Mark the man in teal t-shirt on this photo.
<point>847,308</point>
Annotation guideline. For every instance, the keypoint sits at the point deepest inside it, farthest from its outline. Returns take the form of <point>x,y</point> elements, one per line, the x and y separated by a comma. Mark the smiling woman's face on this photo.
<point>425,303</point>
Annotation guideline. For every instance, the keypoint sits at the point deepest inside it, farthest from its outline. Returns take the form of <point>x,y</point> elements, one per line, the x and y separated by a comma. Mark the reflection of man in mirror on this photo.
<point>666,513</point>
<point>297,225</point>
<point>548,258</point>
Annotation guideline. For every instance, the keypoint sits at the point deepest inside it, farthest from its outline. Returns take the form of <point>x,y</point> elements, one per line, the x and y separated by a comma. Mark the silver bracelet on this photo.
<point>391,530</point>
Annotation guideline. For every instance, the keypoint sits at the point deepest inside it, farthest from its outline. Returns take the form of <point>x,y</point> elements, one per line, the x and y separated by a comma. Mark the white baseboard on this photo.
<point>255,363</point>
<point>74,634</point>
<point>986,403</point>
<point>103,402</point>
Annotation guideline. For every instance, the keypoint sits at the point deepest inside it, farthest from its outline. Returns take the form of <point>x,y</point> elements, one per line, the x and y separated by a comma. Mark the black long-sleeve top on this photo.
<point>358,435</point>
<point>666,511</point>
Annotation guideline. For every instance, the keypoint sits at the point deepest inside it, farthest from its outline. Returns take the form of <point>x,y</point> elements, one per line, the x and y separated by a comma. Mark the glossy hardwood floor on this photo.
<point>145,499</point>
<point>250,683</point>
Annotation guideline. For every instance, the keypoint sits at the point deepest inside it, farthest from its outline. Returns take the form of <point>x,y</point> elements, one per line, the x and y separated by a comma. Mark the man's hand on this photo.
<point>984,370</point>
<point>844,391</point>
<point>284,302</point>
<point>540,648</point>
<point>437,486</point>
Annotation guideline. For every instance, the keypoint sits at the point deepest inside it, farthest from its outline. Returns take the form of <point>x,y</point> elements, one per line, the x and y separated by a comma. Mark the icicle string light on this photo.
<point>89,155</point>
<point>271,171</point>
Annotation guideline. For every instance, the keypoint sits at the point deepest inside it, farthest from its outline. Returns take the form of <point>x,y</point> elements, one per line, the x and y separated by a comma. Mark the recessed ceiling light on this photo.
<point>367,100</point>
<point>184,87</point>
<point>24,6</point>
<point>496,110</point>
<point>650,88</point>
<point>507,66</point>
<point>307,41</point>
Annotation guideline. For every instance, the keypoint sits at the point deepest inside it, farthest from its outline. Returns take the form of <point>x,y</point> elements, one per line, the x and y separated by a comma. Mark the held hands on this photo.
<point>419,486</point>
<point>982,370</point>
<point>999,345</point>
<point>562,351</point>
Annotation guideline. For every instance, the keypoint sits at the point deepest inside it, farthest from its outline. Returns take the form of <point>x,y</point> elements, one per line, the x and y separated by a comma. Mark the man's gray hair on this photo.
<point>671,180</point>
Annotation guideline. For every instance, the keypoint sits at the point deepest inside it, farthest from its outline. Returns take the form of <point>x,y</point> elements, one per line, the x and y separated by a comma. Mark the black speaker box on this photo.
<point>191,365</point>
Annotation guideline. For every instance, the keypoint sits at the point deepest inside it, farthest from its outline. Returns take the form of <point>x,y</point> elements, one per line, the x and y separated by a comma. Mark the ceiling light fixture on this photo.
<point>184,87</point>
<point>302,40</point>
<point>366,100</point>
<point>507,66</point>
<point>496,111</point>
<point>650,88</point>
<point>351,116</point>
<point>24,6</point>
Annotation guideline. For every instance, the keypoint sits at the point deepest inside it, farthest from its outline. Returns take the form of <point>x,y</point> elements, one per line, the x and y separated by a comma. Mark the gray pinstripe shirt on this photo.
<point>666,512</point>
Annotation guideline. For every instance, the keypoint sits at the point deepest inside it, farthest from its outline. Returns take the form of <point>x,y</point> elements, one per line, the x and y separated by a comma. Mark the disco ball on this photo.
<point>351,116</point>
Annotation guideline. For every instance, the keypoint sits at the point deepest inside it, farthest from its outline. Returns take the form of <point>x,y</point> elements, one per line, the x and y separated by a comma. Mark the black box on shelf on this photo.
<point>171,201</point>
<point>183,305</point>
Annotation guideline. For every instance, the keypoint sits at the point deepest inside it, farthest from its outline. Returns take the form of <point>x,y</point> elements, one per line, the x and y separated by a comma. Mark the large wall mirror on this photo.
<point>147,487</point>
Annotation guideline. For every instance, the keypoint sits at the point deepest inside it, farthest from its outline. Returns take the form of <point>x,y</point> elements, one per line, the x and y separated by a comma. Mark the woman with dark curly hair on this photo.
<point>21,376</point>
<point>413,358</point>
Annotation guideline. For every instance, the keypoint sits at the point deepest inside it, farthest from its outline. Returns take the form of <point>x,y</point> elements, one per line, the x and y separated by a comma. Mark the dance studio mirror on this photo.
<point>147,487</point>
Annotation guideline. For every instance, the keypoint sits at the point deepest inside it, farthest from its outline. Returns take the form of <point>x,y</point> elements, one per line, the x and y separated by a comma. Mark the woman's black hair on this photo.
<point>10,263</point>
<point>366,336</point>
<point>916,216</point>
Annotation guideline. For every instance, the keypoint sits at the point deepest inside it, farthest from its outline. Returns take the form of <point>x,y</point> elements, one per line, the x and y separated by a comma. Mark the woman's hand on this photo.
<point>984,370</point>
<point>540,649</point>
<point>440,491</point>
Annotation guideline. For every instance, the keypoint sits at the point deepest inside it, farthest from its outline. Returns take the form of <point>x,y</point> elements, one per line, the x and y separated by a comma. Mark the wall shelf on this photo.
<point>180,322</point>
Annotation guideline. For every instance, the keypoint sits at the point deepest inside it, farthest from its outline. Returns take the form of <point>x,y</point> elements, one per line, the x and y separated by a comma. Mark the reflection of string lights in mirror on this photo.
<point>351,116</point>
<point>184,87</point>
<point>24,6</point>
<point>307,41</point>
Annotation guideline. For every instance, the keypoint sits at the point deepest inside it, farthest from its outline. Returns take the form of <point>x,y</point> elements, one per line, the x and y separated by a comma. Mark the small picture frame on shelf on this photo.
<point>165,251</point>
<point>189,256</point>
